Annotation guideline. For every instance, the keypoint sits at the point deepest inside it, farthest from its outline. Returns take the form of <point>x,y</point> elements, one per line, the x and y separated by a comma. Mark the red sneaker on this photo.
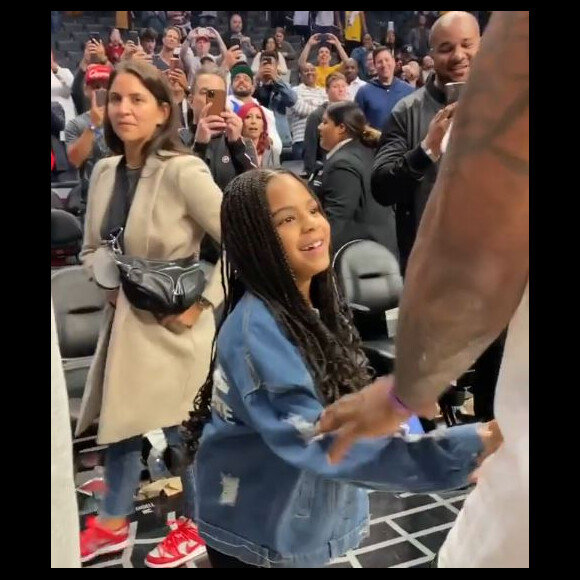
<point>181,545</point>
<point>97,540</point>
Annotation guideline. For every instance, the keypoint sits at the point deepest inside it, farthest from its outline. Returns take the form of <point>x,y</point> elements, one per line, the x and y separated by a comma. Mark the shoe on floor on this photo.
<point>97,540</point>
<point>182,544</point>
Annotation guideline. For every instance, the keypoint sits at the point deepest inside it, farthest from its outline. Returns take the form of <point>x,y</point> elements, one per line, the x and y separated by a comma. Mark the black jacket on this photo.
<point>345,193</point>
<point>403,175</point>
<point>225,160</point>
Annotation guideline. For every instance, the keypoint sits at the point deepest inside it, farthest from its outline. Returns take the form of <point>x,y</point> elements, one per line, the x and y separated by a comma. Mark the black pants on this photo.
<point>219,560</point>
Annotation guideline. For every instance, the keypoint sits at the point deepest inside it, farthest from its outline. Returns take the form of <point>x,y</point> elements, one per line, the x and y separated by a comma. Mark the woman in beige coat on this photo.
<point>146,373</point>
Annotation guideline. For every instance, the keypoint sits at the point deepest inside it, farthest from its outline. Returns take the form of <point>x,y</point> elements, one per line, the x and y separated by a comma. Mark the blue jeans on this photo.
<point>123,472</point>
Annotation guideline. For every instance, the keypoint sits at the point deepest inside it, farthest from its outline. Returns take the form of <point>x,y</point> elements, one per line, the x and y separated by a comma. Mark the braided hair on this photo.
<point>256,262</point>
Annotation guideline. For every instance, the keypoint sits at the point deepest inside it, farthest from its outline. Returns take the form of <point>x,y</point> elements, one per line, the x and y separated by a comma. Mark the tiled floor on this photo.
<point>406,532</point>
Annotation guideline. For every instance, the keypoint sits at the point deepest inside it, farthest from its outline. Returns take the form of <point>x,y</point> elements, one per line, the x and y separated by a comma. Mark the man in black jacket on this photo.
<point>216,139</point>
<point>405,167</point>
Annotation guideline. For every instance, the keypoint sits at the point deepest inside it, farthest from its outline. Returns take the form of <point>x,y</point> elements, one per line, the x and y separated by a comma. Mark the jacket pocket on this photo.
<point>305,495</point>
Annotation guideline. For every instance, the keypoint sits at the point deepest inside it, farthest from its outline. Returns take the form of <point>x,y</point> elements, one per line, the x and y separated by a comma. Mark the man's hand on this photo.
<point>234,126</point>
<point>268,72</point>
<point>332,39</point>
<point>97,113</point>
<point>177,76</point>
<point>232,57</point>
<point>130,49</point>
<point>368,413</point>
<point>184,320</point>
<point>53,63</point>
<point>208,126</point>
<point>492,439</point>
<point>314,39</point>
<point>438,127</point>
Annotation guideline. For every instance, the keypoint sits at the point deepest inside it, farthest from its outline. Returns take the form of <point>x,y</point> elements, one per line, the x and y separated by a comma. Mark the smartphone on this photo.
<point>391,25</point>
<point>453,92</point>
<point>217,98</point>
<point>101,97</point>
<point>174,63</point>
<point>96,36</point>
<point>323,37</point>
<point>267,60</point>
<point>235,42</point>
<point>134,37</point>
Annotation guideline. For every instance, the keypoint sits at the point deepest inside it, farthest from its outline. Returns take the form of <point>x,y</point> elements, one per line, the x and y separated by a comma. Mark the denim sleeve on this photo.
<point>282,405</point>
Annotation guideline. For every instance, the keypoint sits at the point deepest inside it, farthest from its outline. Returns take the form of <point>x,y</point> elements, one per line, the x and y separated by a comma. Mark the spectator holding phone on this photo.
<point>236,36</point>
<point>94,54</point>
<point>197,46</point>
<point>84,137</point>
<point>61,84</point>
<point>171,42</point>
<point>269,45</point>
<point>272,92</point>
<point>115,47</point>
<point>148,40</point>
<point>323,66</point>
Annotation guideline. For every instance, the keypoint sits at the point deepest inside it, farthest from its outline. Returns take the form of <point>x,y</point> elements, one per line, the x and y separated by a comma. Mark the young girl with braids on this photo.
<point>266,495</point>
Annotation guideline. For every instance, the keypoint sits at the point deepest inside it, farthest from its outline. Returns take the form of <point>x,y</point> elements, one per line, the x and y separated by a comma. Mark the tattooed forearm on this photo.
<point>469,265</point>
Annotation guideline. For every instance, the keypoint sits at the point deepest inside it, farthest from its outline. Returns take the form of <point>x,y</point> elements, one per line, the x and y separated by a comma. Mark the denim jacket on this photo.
<point>265,491</point>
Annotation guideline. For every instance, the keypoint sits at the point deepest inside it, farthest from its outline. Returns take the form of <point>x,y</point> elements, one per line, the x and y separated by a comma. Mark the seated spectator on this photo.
<point>379,96</point>
<point>308,98</point>
<point>84,136</point>
<point>61,84</point>
<point>352,78</point>
<point>283,46</point>
<point>242,85</point>
<point>323,66</point>
<point>345,186</point>
<point>336,90</point>
<point>275,94</point>
<point>115,48</point>
<point>269,46</point>
<point>255,133</point>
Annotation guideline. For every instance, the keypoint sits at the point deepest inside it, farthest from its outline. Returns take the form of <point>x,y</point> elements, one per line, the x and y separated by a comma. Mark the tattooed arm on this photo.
<point>469,266</point>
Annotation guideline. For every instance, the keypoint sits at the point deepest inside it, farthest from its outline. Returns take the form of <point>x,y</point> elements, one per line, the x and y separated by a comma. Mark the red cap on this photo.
<point>97,73</point>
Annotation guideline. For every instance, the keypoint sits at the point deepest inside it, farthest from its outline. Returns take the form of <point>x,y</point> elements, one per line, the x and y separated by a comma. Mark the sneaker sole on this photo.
<point>195,554</point>
<point>105,550</point>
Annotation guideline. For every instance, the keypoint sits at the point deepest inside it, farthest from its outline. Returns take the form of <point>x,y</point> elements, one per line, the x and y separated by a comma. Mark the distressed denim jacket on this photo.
<point>265,491</point>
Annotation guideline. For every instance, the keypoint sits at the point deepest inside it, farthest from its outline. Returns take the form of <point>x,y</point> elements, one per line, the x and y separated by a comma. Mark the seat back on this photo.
<point>369,275</point>
<point>66,237</point>
<point>78,307</point>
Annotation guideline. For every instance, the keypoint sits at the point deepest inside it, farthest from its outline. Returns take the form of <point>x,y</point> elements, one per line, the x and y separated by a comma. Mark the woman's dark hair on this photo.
<point>350,115</point>
<point>255,262</point>
<point>166,137</point>
<point>265,41</point>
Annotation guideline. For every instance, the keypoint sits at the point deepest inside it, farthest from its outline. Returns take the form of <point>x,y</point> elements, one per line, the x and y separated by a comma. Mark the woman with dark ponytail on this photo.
<point>266,495</point>
<point>344,186</point>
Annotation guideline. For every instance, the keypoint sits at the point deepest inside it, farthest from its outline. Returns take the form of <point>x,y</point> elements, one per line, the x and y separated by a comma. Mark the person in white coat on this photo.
<point>61,82</point>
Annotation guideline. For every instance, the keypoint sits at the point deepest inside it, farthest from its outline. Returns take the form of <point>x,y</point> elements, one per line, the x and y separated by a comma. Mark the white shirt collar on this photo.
<point>337,147</point>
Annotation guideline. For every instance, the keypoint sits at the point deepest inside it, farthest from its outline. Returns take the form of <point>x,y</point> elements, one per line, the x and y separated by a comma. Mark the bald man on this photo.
<point>406,163</point>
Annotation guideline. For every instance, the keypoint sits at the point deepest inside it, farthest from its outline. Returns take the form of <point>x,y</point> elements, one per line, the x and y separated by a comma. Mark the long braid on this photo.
<point>256,262</point>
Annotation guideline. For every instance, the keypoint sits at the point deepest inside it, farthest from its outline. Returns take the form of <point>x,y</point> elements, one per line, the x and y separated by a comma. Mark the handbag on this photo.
<point>162,287</point>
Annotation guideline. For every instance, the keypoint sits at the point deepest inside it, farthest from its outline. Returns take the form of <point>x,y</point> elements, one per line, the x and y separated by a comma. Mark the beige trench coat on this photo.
<point>144,376</point>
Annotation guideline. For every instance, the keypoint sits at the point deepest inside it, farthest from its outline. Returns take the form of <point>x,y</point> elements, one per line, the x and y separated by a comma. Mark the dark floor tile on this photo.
<point>433,541</point>
<point>458,504</point>
<point>342,565</point>
<point>425,519</point>
<point>390,556</point>
<point>423,565</point>
<point>385,504</point>
<point>380,532</point>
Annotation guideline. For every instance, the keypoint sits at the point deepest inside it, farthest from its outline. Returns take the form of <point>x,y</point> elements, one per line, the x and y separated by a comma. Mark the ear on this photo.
<point>164,112</point>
